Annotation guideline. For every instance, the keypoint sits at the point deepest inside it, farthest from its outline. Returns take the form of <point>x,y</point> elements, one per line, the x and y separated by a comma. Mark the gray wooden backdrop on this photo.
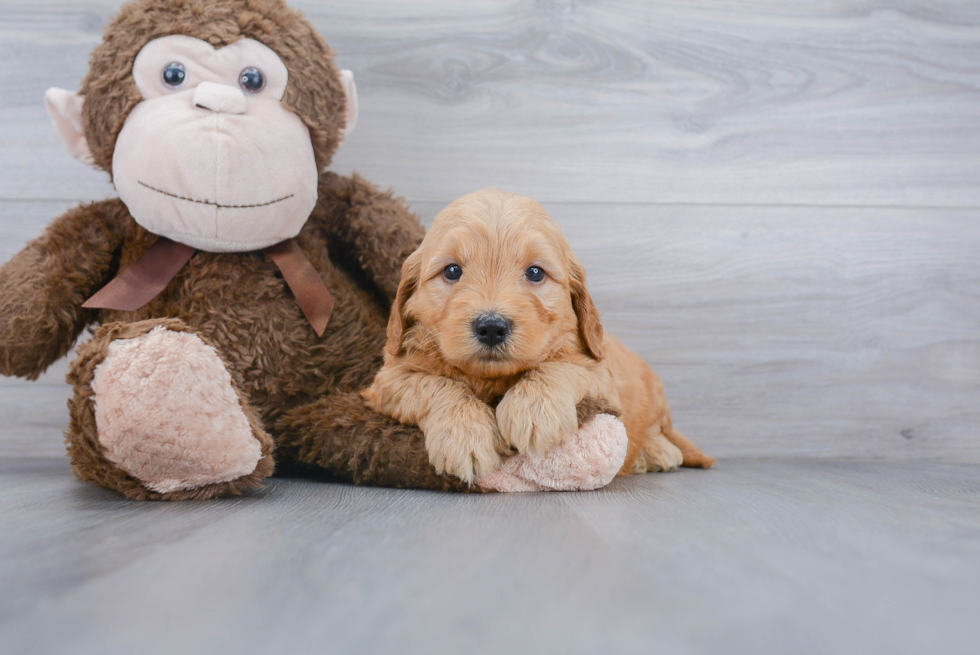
<point>778,203</point>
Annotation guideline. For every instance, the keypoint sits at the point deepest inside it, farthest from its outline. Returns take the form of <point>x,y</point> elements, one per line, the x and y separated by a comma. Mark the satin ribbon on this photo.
<point>311,293</point>
<point>149,275</point>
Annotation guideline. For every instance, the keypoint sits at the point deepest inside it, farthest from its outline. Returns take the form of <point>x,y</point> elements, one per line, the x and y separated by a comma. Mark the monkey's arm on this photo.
<point>370,228</point>
<point>43,287</point>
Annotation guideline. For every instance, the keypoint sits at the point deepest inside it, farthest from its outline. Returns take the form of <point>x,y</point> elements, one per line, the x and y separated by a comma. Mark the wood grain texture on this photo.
<point>752,557</point>
<point>778,331</point>
<point>826,102</point>
<point>35,414</point>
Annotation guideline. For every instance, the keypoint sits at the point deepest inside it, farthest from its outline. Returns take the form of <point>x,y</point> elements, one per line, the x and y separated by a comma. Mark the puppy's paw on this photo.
<point>658,455</point>
<point>533,417</point>
<point>464,441</point>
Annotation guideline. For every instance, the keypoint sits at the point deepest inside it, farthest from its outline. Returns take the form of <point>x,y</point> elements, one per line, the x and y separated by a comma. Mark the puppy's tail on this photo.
<point>694,457</point>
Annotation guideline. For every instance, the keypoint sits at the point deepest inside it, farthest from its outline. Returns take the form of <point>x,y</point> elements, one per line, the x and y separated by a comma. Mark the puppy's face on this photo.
<point>495,288</point>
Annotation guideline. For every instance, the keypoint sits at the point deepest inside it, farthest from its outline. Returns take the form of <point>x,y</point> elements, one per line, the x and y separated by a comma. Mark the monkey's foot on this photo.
<point>168,414</point>
<point>589,459</point>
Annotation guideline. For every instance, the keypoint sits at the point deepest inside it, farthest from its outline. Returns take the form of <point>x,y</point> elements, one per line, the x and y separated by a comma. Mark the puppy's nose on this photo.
<point>491,329</point>
<point>220,98</point>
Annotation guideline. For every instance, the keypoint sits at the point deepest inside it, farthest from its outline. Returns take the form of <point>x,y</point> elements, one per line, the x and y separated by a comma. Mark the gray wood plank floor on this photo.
<point>778,556</point>
<point>779,207</point>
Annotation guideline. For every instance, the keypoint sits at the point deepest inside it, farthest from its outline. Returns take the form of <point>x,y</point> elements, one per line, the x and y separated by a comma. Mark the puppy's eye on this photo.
<point>174,75</point>
<point>252,80</point>
<point>534,274</point>
<point>453,272</point>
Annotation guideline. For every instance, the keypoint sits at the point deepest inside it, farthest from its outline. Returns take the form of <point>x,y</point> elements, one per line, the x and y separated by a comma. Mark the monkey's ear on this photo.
<point>350,90</point>
<point>65,109</point>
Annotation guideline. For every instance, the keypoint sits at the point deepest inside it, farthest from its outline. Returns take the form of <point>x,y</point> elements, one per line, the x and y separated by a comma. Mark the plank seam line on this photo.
<point>777,205</point>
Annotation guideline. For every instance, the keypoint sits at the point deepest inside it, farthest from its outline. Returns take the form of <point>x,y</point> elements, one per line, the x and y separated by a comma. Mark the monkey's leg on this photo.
<point>157,416</point>
<point>342,436</point>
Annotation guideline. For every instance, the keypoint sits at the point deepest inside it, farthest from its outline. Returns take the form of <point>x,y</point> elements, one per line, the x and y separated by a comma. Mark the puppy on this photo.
<point>493,340</point>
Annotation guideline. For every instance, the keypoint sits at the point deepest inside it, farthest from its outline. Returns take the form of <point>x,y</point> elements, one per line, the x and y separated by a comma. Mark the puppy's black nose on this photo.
<point>491,329</point>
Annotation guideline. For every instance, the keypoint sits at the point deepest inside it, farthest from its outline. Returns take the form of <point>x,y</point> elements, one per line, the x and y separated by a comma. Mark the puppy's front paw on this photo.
<point>464,441</point>
<point>533,417</point>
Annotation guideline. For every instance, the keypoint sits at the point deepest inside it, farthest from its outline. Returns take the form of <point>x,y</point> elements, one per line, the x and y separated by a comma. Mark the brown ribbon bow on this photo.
<point>149,275</point>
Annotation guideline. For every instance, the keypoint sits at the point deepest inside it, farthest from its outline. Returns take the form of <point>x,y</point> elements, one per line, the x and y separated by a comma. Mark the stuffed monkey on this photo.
<point>240,290</point>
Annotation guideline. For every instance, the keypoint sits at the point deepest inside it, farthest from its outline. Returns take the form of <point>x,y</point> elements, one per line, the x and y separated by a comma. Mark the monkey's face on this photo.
<point>210,157</point>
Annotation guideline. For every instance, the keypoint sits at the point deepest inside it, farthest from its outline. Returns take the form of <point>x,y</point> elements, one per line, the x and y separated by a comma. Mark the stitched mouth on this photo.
<point>211,203</point>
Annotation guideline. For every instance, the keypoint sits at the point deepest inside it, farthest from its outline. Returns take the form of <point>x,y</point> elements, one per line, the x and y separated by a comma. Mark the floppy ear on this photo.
<point>589,324</point>
<point>351,107</point>
<point>411,273</point>
<point>65,109</point>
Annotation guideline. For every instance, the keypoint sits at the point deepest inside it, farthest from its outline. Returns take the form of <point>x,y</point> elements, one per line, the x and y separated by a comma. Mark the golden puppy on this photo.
<point>494,340</point>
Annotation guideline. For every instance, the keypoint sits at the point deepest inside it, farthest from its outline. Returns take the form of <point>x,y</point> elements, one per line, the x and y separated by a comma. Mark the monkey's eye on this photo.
<point>252,80</point>
<point>453,272</point>
<point>534,274</point>
<point>174,75</point>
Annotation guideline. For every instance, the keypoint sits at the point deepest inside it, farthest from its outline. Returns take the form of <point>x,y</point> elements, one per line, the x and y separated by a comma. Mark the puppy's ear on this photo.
<point>589,324</point>
<point>397,322</point>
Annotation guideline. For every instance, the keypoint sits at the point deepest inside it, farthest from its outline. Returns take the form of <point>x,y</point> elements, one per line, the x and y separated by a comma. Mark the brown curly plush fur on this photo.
<point>357,238</point>
<point>395,457</point>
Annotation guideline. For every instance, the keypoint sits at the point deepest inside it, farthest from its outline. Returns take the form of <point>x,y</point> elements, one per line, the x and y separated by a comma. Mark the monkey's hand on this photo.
<point>43,287</point>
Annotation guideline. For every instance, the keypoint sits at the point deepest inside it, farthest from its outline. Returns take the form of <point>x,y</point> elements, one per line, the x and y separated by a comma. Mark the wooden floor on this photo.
<point>757,556</point>
<point>779,207</point>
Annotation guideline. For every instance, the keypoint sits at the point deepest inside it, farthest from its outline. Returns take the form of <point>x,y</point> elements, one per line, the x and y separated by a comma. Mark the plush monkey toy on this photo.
<point>241,291</point>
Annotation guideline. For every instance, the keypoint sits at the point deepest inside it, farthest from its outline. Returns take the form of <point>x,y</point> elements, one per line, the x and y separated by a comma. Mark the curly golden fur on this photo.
<point>476,402</point>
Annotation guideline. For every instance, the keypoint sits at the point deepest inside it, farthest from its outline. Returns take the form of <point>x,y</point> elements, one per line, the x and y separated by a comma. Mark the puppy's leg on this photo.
<point>462,439</point>
<point>461,435</point>
<point>539,410</point>
<point>694,457</point>
<point>658,454</point>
